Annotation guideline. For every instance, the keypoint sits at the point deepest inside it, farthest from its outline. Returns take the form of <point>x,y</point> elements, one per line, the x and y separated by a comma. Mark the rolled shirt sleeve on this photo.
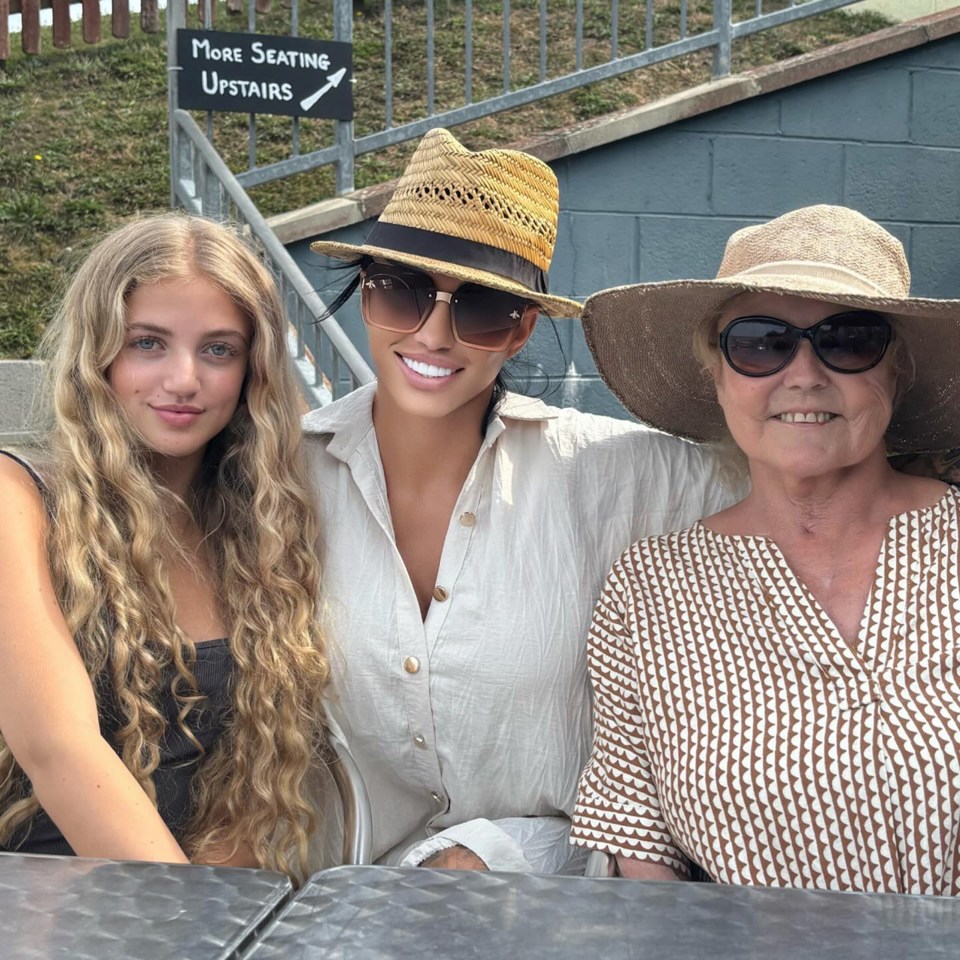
<point>518,844</point>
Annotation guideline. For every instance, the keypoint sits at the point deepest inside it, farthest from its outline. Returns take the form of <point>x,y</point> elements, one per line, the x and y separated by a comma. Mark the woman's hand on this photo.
<point>644,870</point>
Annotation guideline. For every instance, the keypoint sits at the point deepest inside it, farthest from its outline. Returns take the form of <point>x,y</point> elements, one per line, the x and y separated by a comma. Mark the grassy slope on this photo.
<point>83,135</point>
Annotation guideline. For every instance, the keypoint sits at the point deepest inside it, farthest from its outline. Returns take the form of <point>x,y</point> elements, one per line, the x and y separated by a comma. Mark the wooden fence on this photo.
<point>92,30</point>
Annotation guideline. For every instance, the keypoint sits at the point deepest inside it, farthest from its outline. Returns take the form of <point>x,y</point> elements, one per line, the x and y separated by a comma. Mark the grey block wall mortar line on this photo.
<point>899,145</point>
<point>911,73</point>
<point>705,217</point>
<point>638,246</point>
<point>564,229</point>
<point>567,223</point>
<point>843,175</point>
<point>562,170</point>
<point>712,141</point>
<point>910,224</point>
<point>615,214</point>
<point>804,138</point>
<point>365,204</point>
<point>926,68</point>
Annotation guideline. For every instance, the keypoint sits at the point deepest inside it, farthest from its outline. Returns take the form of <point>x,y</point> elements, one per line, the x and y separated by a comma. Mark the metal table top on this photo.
<point>66,907</point>
<point>351,913</point>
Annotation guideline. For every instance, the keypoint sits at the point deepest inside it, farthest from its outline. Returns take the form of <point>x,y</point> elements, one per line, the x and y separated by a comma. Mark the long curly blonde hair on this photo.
<point>110,544</point>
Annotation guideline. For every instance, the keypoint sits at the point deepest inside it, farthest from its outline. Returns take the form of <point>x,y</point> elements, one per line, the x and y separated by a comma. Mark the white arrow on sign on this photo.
<point>333,80</point>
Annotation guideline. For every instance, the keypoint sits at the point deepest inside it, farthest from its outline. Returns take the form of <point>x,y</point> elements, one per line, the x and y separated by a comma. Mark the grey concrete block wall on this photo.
<point>668,170</point>
<point>749,174</point>
<point>882,137</point>
<point>935,117</point>
<point>913,183</point>
<point>875,107</point>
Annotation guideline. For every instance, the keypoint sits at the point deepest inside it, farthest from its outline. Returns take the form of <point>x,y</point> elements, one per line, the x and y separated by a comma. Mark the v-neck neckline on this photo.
<point>795,602</point>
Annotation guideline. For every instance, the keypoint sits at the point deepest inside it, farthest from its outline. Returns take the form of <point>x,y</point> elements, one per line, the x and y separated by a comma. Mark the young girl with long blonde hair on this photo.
<point>161,668</point>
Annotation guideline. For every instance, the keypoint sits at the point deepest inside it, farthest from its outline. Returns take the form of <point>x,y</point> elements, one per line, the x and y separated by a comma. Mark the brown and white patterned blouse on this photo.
<point>735,729</point>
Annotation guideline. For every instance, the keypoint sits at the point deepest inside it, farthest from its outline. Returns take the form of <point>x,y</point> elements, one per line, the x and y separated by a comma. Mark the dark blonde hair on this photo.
<point>110,542</point>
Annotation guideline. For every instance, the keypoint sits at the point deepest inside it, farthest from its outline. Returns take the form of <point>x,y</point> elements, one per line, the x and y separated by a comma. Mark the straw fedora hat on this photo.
<point>488,217</point>
<point>641,336</point>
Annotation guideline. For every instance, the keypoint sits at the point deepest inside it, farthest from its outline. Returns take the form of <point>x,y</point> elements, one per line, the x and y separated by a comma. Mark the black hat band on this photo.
<point>464,253</point>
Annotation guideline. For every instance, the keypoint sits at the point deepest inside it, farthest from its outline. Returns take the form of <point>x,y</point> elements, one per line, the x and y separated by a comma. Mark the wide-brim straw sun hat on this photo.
<point>487,217</point>
<point>641,336</point>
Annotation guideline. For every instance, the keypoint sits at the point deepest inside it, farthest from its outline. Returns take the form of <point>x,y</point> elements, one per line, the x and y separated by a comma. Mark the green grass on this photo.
<point>83,132</point>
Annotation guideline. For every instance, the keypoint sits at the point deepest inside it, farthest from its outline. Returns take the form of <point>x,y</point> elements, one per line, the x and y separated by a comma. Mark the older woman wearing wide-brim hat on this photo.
<point>776,689</point>
<point>468,529</point>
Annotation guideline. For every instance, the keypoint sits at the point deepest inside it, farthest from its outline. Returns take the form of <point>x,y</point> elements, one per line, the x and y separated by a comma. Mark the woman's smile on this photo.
<point>180,374</point>
<point>425,368</point>
<point>832,419</point>
<point>428,372</point>
<point>815,417</point>
<point>176,415</point>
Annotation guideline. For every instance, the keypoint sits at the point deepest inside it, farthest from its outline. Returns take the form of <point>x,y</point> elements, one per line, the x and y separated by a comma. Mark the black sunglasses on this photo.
<point>850,342</point>
<point>400,299</point>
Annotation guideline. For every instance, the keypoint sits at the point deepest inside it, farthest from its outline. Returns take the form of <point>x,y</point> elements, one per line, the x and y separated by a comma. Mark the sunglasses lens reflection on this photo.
<point>399,300</point>
<point>396,301</point>
<point>854,342</point>
<point>848,343</point>
<point>757,346</point>
<point>484,317</point>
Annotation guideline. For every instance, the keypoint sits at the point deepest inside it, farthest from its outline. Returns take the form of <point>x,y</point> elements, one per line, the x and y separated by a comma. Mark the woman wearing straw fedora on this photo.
<point>468,530</point>
<point>776,696</point>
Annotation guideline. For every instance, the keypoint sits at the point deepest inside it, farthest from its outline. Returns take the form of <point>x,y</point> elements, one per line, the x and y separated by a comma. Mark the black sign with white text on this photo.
<point>257,73</point>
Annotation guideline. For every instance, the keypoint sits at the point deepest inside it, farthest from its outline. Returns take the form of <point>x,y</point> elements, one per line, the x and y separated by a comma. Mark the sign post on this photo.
<point>260,73</point>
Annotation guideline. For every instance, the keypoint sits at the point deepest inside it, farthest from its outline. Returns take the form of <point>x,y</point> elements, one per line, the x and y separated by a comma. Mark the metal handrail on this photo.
<point>346,148</point>
<point>202,182</point>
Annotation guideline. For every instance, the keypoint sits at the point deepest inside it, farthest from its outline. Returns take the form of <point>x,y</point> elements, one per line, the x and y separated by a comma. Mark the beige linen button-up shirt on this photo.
<point>471,726</point>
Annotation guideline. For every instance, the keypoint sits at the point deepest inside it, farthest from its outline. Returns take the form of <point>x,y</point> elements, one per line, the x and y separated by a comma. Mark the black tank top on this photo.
<point>179,757</point>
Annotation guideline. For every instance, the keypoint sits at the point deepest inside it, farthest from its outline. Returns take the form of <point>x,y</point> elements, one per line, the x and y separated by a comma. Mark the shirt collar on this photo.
<point>516,406</point>
<point>347,420</point>
<point>350,418</point>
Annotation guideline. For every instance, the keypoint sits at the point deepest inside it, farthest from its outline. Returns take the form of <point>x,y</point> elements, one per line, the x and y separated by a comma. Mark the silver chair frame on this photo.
<point>600,864</point>
<point>354,803</point>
